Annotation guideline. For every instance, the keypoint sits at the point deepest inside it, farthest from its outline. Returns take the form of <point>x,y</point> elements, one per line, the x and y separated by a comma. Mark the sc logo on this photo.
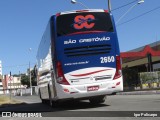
<point>83,22</point>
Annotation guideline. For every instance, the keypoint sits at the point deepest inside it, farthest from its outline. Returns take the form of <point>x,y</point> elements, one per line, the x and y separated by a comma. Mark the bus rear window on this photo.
<point>86,22</point>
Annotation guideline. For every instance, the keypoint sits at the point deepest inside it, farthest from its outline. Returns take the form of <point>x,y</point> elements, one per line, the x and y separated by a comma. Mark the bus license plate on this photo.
<point>92,88</point>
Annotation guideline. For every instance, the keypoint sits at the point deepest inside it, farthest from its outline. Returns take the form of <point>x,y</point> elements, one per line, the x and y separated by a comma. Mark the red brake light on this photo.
<point>58,14</point>
<point>61,79</point>
<point>82,10</point>
<point>118,73</point>
<point>106,11</point>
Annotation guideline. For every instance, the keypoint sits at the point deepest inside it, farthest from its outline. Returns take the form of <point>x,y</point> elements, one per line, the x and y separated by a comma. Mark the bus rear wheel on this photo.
<point>97,100</point>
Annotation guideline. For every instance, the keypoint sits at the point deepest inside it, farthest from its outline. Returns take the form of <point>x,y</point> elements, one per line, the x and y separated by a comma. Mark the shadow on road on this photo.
<point>77,105</point>
<point>39,107</point>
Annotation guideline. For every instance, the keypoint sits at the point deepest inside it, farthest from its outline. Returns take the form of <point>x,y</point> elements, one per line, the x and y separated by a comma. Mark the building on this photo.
<point>0,67</point>
<point>143,59</point>
<point>11,83</point>
<point>1,85</point>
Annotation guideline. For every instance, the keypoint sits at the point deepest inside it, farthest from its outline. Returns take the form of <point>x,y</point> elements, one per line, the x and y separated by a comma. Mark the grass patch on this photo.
<point>6,100</point>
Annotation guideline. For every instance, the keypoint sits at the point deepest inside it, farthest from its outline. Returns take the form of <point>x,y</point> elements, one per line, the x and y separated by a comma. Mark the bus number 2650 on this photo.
<point>107,59</point>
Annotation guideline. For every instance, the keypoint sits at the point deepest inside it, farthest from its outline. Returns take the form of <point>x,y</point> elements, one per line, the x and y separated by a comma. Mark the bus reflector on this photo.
<point>118,73</point>
<point>66,90</point>
<point>118,83</point>
<point>61,79</point>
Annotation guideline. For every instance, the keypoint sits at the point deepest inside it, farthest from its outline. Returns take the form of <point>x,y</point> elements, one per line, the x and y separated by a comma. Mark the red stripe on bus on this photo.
<point>80,75</point>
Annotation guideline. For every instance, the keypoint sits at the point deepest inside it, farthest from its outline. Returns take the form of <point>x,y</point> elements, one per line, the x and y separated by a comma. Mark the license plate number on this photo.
<point>92,88</point>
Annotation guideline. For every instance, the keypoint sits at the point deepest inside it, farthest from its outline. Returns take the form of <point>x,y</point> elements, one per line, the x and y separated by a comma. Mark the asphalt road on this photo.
<point>113,103</point>
<point>117,103</point>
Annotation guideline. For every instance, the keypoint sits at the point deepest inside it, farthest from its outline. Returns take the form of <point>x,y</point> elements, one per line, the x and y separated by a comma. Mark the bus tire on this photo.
<point>44,101</point>
<point>97,100</point>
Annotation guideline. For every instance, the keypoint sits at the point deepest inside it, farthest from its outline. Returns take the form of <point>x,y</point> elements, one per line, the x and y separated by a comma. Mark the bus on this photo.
<point>79,57</point>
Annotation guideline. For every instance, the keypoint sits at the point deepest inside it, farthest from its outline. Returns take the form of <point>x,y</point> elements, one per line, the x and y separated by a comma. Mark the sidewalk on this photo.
<point>149,92</point>
<point>28,99</point>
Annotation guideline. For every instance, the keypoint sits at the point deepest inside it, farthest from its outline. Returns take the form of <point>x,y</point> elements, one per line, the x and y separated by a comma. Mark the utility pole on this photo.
<point>20,83</point>
<point>10,83</point>
<point>109,6</point>
<point>30,49</point>
<point>30,77</point>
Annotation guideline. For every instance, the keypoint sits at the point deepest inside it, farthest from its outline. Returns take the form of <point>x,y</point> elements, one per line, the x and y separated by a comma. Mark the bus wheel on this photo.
<point>97,100</point>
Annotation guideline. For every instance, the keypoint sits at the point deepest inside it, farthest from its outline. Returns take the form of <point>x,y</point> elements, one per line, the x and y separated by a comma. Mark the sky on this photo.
<point>22,23</point>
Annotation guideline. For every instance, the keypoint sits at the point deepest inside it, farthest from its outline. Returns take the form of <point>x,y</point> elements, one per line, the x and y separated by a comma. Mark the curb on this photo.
<point>140,92</point>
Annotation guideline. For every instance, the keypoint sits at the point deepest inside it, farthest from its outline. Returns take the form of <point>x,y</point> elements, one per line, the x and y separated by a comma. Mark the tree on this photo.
<point>130,77</point>
<point>25,80</point>
<point>158,82</point>
<point>148,78</point>
<point>143,78</point>
<point>33,78</point>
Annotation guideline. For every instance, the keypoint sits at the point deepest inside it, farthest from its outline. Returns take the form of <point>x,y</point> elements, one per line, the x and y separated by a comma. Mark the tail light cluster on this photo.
<point>118,73</point>
<point>61,79</point>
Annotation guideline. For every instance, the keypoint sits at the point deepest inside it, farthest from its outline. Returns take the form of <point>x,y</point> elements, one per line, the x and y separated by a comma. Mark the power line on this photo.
<point>139,16</point>
<point>124,5</point>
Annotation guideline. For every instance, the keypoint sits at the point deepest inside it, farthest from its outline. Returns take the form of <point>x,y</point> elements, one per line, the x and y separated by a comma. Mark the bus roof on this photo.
<point>86,10</point>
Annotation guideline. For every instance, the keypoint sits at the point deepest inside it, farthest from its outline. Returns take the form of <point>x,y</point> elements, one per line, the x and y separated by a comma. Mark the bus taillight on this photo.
<point>61,79</point>
<point>118,73</point>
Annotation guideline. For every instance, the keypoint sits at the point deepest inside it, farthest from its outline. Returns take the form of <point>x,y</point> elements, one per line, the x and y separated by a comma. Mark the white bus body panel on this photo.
<point>80,91</point>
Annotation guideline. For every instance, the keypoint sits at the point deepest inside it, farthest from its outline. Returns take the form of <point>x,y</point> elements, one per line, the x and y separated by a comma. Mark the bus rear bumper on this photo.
<point>89,90</point>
